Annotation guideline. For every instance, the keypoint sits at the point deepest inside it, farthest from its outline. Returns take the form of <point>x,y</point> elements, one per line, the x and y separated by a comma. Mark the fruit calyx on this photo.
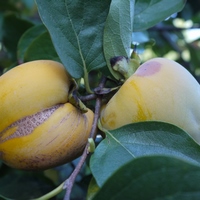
<point>125,66</point>
<point>73,98</point>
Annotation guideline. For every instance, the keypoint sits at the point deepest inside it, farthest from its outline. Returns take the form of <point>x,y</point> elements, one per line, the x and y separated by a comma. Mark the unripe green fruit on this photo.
<point>39,128</point>
<point>159,90</point>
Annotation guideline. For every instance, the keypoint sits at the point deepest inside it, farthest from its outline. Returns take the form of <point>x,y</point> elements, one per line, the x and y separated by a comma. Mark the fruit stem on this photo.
<point>74,100</point>
<point>126,66</point>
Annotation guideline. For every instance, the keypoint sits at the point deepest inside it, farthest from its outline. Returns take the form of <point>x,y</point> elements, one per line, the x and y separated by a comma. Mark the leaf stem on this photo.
<point>86,81</point>
<point>52,193</point>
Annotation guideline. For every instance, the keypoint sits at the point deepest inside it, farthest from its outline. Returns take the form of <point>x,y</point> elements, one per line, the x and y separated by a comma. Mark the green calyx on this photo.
<point>74,100</point>
<point>125,66</point>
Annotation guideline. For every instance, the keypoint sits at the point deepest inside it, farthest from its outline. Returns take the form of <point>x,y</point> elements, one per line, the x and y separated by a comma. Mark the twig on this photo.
<point>88,97</point>
<point>68,185</point>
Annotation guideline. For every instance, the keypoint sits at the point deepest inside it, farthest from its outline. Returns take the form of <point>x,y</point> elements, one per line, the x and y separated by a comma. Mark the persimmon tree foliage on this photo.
<point>93,40</point>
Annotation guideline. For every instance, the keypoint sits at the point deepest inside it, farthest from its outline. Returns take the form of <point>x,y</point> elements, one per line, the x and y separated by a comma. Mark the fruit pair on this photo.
<point>39,128</point>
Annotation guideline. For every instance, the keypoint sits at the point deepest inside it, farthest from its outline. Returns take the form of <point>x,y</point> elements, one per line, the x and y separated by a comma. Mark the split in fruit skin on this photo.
<point>41,129</point>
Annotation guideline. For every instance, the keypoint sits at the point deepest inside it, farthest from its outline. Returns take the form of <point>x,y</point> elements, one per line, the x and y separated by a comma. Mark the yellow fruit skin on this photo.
<point>39,128</point>
<point>159,90</point>
<point>59,139</point>
<point>31,87</point>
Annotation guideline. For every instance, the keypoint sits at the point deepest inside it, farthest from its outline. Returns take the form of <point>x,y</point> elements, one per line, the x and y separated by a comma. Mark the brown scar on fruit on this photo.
<point>26,125</point>
<point>148,69</point>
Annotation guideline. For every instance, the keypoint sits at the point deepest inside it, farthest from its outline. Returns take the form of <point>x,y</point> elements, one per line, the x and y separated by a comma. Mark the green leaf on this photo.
<point>41,48</point>
<point>139,139</point>
<point>13,28</point>
<point>76,28</point>
<point>16,184</point>
<point>7,6</point>
<point>150,12</point>
<point>28,38</point>
<point>153,177</point>
<point>93,188</point>
<point>118,30</point>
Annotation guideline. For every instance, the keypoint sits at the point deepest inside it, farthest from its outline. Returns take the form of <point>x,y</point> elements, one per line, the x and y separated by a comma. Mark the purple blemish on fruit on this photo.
<point>148,68</point>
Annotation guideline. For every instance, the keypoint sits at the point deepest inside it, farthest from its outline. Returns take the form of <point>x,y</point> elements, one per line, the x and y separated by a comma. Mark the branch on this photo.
<point>88,97</point>
<point>68,185</point>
